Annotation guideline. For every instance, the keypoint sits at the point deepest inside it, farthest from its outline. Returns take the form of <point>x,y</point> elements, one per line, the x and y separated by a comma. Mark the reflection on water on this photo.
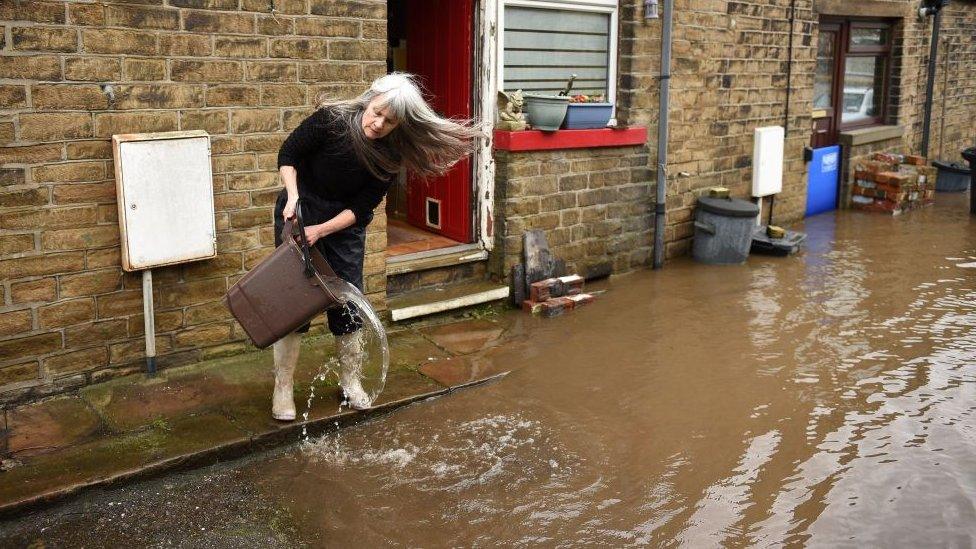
<point>825,399</point>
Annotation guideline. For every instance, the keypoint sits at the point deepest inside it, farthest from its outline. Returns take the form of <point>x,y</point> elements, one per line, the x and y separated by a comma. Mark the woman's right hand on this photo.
<point>289,211</point>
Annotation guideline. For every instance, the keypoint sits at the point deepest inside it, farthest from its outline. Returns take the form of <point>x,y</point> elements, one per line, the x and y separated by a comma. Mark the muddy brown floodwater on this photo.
<point>822,400</point>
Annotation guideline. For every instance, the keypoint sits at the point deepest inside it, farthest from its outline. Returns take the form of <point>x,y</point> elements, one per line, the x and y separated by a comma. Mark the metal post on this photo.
<point>662,136</point>
<point>930,84</point>
<point>147,312</point>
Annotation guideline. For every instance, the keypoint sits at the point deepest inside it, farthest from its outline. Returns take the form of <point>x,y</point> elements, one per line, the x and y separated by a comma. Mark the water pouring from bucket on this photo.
<point>367,351</point>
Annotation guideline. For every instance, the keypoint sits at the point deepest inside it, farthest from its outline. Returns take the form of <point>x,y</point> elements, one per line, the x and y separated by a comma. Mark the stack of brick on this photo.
<point>893,183</point>
<point>554,296</point>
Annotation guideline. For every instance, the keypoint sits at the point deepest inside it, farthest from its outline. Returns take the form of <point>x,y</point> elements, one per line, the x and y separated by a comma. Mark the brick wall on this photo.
<point>954,105</point>
<point>593,204</point>
<point>68,314</point>
<point>728,77</point>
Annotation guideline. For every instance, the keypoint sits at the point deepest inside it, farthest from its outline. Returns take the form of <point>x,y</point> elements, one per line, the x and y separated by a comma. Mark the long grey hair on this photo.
<point>423,142</point>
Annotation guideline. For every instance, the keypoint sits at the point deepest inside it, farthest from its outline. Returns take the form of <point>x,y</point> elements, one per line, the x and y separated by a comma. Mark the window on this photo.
<point>543,43</point>
<point>853,66</point>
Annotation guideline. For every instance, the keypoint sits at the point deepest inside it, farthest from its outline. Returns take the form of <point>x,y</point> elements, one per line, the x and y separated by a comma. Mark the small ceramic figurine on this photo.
<point>510,115</point>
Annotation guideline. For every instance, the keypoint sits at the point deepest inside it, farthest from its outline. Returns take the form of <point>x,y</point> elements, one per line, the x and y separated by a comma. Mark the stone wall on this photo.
<point>593,204</point>
<point>954,105</point>
<point>68,314</point>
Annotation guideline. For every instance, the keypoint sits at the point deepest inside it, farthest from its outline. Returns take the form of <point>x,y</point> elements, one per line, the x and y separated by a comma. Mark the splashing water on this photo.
<point>373,367</point>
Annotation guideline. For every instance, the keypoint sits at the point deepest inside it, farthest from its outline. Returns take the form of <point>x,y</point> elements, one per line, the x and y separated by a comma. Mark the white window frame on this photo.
<point>593,6</point>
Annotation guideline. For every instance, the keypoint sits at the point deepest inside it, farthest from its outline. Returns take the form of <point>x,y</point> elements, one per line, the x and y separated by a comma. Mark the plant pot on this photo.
<point>583,116</point>
<point>545,112</point>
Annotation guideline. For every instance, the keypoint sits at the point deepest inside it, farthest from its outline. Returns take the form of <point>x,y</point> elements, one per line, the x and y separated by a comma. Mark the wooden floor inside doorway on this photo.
<point>403,238</point>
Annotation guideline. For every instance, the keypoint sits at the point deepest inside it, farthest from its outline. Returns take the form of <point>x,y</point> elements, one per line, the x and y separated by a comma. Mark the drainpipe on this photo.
<point>662,136</point>
<point>936,13</point>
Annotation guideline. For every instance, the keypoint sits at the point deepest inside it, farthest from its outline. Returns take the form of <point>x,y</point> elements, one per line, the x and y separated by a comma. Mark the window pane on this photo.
<point>823,82</point>
<point>544,47</point>
<point>861,36</point>
<point>863,88</point>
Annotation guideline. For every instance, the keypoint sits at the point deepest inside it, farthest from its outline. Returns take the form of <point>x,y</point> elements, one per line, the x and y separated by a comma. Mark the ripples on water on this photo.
<point>822,400</point>
<point>844,415</point>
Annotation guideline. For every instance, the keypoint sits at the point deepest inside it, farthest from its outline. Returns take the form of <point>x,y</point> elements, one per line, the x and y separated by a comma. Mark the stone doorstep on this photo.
<point>447,297</point>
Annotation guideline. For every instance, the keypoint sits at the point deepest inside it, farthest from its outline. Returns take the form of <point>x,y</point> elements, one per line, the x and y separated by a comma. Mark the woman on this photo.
<point>341,161</point>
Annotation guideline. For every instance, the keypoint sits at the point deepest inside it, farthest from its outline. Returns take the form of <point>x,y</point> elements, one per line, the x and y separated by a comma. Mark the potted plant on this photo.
<point>587,112</point>
<point>545,112</point>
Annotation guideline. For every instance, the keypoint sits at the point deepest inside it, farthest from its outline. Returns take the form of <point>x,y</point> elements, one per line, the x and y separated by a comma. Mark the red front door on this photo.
<point>440,52</point>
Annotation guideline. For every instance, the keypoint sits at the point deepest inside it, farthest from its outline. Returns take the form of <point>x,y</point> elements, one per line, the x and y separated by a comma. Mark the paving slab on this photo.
<point>42,427</point>
<point>466,337</point>
<point>457,372</point>
<point>104,461</point>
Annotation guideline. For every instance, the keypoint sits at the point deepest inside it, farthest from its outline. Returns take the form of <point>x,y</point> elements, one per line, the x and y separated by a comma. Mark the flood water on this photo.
<point>821,400</point>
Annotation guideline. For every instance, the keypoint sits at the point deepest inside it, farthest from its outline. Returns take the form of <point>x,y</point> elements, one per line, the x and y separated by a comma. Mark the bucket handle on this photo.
<point>706,227</point>
<point>297,227</point>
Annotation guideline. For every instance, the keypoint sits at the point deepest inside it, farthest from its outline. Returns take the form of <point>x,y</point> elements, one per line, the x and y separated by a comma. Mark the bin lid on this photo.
<point>969,154</point>
<point>728,207</point>
<point>954,167</point>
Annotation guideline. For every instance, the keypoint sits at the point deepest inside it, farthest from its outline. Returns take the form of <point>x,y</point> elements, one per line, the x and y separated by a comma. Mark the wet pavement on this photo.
<point>821,400</point>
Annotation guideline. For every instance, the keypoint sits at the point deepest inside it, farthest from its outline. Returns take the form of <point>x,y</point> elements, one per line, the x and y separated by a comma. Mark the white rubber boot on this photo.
<point>351,354</point>
<point>285,358</point>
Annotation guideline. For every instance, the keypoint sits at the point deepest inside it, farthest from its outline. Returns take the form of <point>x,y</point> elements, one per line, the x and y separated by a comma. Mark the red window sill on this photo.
<point>535,140</point>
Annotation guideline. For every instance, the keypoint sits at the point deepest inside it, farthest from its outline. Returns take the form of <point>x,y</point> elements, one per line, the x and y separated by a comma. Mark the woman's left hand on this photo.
<point>314,233</point>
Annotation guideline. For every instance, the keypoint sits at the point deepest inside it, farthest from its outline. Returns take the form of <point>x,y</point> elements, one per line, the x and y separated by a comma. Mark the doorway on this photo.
<point>433,39</point>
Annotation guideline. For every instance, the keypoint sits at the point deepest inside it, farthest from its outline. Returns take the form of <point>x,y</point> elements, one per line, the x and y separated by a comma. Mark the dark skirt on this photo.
<point>344,250</point>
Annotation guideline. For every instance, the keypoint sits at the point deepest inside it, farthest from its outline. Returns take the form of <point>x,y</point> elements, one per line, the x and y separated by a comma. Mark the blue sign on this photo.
<point>822,179</point>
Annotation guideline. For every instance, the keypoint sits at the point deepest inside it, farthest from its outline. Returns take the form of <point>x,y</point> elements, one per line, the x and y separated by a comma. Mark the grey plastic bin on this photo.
<point>723,230</point>
<point>953,176</point>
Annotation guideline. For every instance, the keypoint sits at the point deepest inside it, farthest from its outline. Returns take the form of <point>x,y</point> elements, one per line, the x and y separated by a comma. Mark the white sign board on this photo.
<point>767,161</point>
<point>165,196</point>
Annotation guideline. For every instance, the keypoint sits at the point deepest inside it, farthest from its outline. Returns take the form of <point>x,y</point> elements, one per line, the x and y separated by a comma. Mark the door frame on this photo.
<point>486,88</point>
